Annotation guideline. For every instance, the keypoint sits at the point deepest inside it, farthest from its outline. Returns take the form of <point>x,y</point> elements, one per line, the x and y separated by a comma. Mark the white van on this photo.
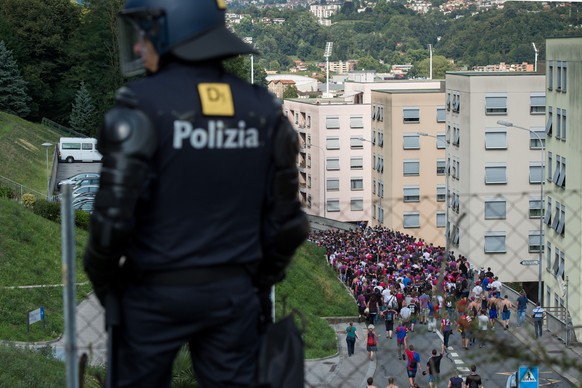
<point>78,149</point>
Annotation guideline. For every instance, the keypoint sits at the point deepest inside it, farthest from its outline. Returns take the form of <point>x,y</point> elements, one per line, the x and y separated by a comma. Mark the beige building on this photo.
<point>408,159</point>
<point>563,216</point>
<point>496,171</point>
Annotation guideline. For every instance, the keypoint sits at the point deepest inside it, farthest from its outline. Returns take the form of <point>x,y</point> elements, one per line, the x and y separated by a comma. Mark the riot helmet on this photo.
<point>191,30</point>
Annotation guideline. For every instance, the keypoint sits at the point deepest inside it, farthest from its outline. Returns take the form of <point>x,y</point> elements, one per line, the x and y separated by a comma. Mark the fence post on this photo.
<point>69,303</point>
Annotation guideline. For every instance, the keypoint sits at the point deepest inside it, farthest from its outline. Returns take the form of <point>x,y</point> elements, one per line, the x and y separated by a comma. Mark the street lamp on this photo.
<point>46,147</point>
<point>327,54</point>
<point>543,154</point>
<point>447,231</point>
<point>324,180</point>
<point>249,40</point>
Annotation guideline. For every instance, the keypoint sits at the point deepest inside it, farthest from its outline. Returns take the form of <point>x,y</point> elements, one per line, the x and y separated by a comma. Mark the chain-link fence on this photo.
<point>492,233</point>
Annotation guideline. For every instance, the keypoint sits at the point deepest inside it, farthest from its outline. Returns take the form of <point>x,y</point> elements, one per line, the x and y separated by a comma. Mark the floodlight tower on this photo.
<point>430,61</point>
<point>536,57</point>
<point>249,40</point>
<point>327,54</point>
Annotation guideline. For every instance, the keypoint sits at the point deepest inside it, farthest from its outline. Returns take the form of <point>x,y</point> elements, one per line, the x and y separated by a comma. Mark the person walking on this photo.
<point>473,380</point>
<point>370,383</point>
<point>446,331</point>
<point>351,337</point>
<point>391,383</point>
<point>464,326</point>
<point>506,307</point>
<point>433,367</point>
<point>483,323</point>
<point>372,342</point>
<point>401,333</point>
<point>521,308</point>
<point>174,263</point>
<point>412,364</point>
<point>538,315</point>
<point>389,316</point>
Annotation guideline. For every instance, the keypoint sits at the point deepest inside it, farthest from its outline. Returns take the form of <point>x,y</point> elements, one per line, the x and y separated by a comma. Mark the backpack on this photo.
<point>413,363</point>
<point>505,309</point>
<point>371,340</point>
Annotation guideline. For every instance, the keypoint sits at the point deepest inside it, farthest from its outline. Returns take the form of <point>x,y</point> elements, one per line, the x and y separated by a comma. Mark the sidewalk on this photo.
<point>340,371</point>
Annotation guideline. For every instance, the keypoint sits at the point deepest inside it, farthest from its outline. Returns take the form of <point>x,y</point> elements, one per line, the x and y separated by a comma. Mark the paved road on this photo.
<point>66,170</point>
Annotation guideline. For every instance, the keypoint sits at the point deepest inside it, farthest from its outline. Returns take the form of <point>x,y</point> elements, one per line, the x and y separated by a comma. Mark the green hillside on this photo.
<point>22,156</point>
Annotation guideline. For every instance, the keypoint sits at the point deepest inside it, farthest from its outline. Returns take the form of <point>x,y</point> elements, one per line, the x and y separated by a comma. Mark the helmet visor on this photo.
<point>133,30</point>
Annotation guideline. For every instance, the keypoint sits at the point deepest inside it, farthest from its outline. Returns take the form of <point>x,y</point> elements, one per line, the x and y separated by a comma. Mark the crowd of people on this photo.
<point>402,282</point>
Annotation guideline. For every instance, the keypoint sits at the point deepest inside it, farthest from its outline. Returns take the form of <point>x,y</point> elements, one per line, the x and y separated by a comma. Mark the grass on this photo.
<point>30,254</point>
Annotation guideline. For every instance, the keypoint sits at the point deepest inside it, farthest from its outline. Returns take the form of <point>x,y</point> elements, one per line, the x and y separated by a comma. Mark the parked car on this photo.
<point>82,198</point>
<point>85,189</point>
<point>76,178</point>
<point>86,182</point>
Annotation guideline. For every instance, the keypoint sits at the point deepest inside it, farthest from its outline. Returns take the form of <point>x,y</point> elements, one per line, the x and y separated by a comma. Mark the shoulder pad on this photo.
<point>125,96</point>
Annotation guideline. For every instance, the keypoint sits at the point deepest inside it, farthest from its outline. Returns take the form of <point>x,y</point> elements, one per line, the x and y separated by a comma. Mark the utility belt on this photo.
<point>185,277</point>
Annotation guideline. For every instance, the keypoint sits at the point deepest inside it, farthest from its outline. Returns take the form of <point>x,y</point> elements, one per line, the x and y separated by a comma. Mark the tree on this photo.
<point>290,92</point>
<point>82,117</point>
<point>14,98</point>
<point>440,65</point>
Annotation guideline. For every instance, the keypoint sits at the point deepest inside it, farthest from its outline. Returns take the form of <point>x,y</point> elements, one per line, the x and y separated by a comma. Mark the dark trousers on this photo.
<point>218,321</point>
<point>351,341</point>
<point>538,323</point>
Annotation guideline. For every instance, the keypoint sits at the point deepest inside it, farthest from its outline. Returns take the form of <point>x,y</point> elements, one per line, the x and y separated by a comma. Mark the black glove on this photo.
<point>102,272</point>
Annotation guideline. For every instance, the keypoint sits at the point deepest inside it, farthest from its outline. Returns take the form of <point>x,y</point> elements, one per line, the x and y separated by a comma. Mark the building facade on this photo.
<point>495,171</point>
<point>408,159</point>
<point>563,201</point>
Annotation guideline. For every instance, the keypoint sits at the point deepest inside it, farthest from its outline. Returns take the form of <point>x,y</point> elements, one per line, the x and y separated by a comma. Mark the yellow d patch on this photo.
<point>221,4</point>
<point>216,99</point>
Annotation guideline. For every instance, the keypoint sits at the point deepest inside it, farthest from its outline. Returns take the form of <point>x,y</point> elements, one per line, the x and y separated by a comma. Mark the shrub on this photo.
<point>82,219</point>
<point>7,192</point>
<point>49,210</point>
<point>28,199</point>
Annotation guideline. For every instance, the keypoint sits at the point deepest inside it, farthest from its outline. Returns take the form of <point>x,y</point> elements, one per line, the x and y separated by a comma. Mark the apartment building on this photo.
<point>408,159</point>
<point>495,171</point>
<point>334,163</point>
<point>563,200</point>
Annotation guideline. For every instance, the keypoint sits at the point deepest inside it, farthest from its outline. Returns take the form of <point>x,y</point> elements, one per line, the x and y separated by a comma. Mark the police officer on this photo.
<point>197,209</point>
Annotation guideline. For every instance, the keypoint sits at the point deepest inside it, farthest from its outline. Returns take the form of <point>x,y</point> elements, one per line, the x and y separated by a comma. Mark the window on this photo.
<point>548,255</point>
<point>411,194</point>
<point>378,112</point>
<point>411,142</point>
<point>495,242</point>
<point>380,164</point>
<point>332,122</point>
<point>556,266</point>
<point>440,166</point>
<point>411,167</point>
<point>558,123</point>
<point>441,114</point>
<point>549,174</point>
<point>534,241</point>
<point>308,121</point>
<point>332,143</point>
<point>559,76</point>
<point>373,137</point>
<point>561,165</point>
<point>411,220</point>
<point>309,180</point>
<point>333,205</point>
<point>448,134</point>
<point>549,121</point>
<point>456,136</point>
<point>332,164</point>
<point>411,115</point>
<point>556,219</point>
<point>356,143</point>
<point>441,193</point>
<point>495,209</point>
<point>374,111</point>
<point>87,146</point>
<point>548,212</point>
<point>537,104</point>
<point>357,184</point>
<point>535,208</point>
<point>356,122</point>
<point>564,124</point>
<point>380,189</point>
<point>356,162</point>
<point>535,172</point>
<point>357,204</point>
<point>456,103</point>
<point>495,139</point>
<point>496,105</point>
<point>448,102</point>
<point>441,219</point>
<point>380,139</point>
<point>380,214</point>
<point>441,141</point>
<point>562,223</point>
<point>564,76</point>
<point>332,184</point>
<point>536,142</point>
<point>495,175</point>
<point>374,186</point>
<point>550,75</point>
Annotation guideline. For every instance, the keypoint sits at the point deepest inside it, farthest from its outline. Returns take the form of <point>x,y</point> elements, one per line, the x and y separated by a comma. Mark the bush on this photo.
<point>28,200</point>
<point>49,210</point>
<point>7,192</point>
<point>82,219</point>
